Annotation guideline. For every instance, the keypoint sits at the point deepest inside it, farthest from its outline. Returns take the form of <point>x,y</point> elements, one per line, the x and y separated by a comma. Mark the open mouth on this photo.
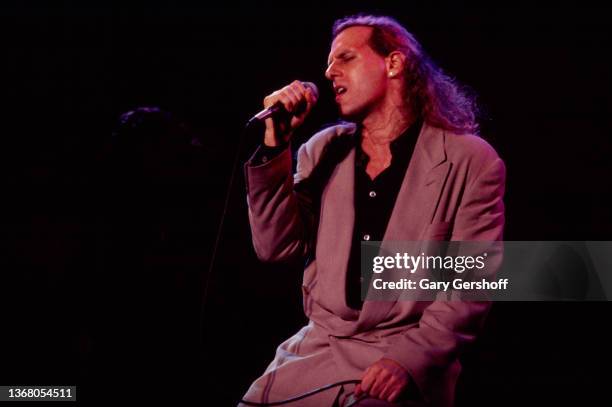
<point>340,90</point>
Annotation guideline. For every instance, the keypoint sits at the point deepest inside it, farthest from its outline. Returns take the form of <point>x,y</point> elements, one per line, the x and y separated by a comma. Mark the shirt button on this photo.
<point>264,159</point>
<point>366,237</point>
<point>372,194</point>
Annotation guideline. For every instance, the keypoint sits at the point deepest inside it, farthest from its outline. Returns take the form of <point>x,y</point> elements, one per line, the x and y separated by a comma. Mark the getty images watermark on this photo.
<point>508,271</point>
<point>457,264</point>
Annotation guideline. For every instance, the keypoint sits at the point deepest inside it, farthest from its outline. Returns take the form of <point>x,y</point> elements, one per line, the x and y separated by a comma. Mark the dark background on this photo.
<point>106,269</point>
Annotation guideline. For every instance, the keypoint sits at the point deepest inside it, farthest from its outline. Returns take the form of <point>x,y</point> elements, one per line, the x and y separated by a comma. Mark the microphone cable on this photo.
<point>241,142</point>
<point>302,396</point>
<point>211,265</point>
<point>219,233</point>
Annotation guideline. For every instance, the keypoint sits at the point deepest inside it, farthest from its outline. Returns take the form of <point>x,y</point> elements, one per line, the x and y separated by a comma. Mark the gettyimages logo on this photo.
<point>459,264</point>
<point>504,271</point>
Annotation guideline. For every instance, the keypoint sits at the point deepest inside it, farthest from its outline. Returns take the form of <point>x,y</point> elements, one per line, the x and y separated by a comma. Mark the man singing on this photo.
<point>406,165</point>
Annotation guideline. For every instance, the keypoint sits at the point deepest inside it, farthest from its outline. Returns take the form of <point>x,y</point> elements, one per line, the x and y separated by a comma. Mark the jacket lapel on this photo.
<point>415,206</point>
<point>336,230</point>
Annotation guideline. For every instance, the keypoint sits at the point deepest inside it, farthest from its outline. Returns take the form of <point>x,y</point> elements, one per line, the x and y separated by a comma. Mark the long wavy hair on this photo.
<point>433,95</point>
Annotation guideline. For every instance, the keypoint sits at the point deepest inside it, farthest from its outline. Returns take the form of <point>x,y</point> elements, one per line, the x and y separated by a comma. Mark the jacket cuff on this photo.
<point>272,170</point>
<point>264,153</point>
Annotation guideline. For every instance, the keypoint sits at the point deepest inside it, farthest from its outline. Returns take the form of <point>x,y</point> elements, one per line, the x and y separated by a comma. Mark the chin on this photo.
<point>353,115</point>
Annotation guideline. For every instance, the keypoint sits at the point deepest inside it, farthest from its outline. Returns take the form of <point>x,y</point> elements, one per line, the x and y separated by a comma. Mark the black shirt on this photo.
<point>374,201</point>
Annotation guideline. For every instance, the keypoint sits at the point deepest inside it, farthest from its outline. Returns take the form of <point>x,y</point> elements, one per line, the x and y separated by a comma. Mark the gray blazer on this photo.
<point>452,190</point>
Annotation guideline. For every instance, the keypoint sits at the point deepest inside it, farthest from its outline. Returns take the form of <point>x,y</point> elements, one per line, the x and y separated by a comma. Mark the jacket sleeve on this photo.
<point>281,214</point>
<point>447,326</point>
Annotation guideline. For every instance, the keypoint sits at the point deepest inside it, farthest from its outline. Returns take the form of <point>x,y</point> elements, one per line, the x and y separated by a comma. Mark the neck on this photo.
<point>385,126</point>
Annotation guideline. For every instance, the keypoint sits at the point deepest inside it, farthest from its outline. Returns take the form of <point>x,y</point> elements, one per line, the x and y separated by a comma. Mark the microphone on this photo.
<point>278,108</point>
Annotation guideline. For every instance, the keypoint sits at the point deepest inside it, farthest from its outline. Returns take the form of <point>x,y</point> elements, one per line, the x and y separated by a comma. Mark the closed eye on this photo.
<point>343,57</point>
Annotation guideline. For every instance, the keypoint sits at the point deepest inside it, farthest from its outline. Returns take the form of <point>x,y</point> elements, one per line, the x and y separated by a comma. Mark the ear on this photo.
<point>395,63</point>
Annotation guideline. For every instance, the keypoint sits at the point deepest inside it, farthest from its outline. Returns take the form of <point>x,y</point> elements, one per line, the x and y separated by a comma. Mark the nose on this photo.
<point>332,71</point>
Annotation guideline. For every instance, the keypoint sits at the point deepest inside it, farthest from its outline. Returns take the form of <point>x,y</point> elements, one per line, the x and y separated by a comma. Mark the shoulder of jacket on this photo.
<point>315,145</point>
<point>468,147</point>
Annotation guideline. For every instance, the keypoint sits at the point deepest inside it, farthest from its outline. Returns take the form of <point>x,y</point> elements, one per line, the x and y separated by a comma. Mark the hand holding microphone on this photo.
<point>285,110</point>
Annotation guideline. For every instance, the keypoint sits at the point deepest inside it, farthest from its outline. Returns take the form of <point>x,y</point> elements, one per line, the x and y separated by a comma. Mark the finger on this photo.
<point>302,91</point>
<point>394,395</point>
<point>295,95</point>
<point>310,97</point>
<point>270,100</point>
<point>299,89</point>
<point>358,390</point>
<point>299,85</point>
<point>377,387</point>
<point>295,99</point>
<point>283,96</point>
<point>287,102</point>
<point>368,380</point>
<point>383,380</point>
<point>387,389</point>
<point>310,100</point>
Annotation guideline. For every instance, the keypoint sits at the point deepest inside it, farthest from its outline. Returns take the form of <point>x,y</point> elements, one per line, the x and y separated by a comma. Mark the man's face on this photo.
<point>358,74</point>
